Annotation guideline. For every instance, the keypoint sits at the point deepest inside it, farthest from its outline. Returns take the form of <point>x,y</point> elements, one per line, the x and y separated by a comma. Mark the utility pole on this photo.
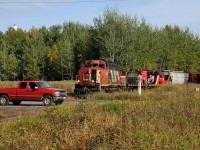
<point>139,85</point>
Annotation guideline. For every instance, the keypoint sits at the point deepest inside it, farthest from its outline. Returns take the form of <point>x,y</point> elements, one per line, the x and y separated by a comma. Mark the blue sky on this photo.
<point>34,13</point>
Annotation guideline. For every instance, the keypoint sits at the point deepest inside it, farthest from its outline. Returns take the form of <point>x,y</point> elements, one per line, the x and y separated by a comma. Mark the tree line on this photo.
<point>54,53</point>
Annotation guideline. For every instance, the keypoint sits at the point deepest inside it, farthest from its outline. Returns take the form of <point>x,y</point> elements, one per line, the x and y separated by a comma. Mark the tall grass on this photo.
<point>67,85</point>
<point>8,84</point>
<point>162,118</point>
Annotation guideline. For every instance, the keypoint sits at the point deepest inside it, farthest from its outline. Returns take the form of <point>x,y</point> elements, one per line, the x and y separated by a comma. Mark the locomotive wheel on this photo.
<point>82,93</point>
<point>87,92</point>
<point>119,89</point>
<point>79,93</point>
<point>103,89</point>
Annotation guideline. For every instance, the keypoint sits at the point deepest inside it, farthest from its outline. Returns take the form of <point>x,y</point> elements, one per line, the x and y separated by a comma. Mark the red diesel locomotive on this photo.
<point>98,75</point>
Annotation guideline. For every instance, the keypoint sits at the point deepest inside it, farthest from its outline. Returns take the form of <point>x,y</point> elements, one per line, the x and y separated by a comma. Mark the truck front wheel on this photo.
<point>47,100</point>
<point>4,100</point>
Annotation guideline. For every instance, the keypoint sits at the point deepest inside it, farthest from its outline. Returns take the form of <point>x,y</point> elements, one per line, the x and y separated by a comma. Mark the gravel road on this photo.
<point>10,112</point>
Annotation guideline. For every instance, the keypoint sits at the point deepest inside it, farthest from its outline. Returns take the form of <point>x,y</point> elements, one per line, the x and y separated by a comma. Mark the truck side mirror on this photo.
<point>36,88</point>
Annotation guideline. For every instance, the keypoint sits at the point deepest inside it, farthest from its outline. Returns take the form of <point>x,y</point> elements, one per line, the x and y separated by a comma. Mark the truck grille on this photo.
<point>63,93</point>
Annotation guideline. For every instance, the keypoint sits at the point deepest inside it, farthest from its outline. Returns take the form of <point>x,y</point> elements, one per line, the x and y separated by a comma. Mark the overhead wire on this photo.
<point>53,2</point>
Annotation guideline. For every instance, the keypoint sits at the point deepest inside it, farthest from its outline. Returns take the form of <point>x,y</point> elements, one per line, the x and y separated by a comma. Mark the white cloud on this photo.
<point>19,5</point>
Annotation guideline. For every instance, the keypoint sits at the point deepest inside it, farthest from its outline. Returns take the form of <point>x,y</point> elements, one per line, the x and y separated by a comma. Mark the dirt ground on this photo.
<point>8,113</point>
<point>11,112</point>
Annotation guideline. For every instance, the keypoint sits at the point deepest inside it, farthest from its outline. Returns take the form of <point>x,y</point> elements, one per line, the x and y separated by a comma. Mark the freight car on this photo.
<point>194,78</point>
<point>98,75</point>
<point>149,78</point>
<point>176,77</point>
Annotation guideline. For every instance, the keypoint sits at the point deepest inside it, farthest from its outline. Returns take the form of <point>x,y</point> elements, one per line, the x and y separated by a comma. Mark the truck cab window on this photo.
<point>23,85</point>
<point>44,85</point>
<point>32,85</point>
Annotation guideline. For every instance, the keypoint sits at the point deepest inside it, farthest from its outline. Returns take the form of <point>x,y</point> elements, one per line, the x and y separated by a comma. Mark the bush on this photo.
<point>116,107</point>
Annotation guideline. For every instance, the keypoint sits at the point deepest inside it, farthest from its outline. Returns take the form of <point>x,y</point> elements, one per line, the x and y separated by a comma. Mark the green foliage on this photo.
<point>54,53</point>
<point>116,107</point>
<point>9,68</point>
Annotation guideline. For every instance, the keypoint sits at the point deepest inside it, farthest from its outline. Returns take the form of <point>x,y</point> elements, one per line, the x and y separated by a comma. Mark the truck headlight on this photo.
<point>57,93</point>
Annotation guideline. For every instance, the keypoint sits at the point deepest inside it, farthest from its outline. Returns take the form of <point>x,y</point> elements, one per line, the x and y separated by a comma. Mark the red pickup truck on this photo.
<point>32,91</point>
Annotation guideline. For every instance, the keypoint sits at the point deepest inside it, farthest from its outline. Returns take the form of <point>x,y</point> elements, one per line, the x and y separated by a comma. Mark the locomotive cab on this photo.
<point>89,76</point>
<point>90,72</point>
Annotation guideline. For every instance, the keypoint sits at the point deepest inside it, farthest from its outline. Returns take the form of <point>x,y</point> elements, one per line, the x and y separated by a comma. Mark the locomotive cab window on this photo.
<point>87,65</point>
<point>102,66</point>
<point>95,65</point>
<point>86,76</point>
<point>82,65</point>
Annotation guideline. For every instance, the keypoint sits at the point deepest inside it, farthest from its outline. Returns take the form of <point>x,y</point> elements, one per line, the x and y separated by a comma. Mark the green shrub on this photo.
<point>116,107</point>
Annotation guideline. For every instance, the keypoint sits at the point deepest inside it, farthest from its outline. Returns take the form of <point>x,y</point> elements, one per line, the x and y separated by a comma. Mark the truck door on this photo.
<point>26,91</point>
<point>21,91</point>
<point>32,92</point>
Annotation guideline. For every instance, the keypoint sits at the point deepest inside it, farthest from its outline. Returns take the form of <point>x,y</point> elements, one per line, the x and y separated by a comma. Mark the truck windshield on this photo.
<point>44,85</point>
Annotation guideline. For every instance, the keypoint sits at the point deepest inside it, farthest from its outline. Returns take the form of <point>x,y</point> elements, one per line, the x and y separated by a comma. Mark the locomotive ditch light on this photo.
<point>92,81</point>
